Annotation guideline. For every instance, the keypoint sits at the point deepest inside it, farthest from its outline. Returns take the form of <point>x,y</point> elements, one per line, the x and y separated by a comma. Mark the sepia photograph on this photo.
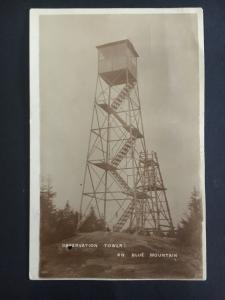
<point>117,181</point>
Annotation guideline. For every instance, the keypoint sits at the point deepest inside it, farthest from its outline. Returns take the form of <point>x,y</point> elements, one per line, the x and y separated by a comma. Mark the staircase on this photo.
<point>123,219</point>
<point>129,128</point>
<point>126,188</point>
<point>122,95</point>
<point>134,134</point>
<point>123,151</point>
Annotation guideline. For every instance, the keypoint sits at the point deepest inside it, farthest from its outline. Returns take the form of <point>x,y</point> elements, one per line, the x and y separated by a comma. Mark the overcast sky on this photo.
<point>168,86</point>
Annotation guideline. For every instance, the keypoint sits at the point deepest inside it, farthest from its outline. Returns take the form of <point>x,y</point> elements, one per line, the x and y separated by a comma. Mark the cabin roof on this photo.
<point>126,41</point>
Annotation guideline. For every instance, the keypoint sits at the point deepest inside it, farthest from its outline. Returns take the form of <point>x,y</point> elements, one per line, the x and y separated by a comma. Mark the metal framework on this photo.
<point>122,181</point>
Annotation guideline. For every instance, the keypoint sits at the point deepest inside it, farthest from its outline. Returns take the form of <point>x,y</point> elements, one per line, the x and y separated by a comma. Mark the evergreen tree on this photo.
<point>92,223</point>
<point>66,222</point>
<point>55,224</point>
<point>190,228</point>
<point>48,211</point>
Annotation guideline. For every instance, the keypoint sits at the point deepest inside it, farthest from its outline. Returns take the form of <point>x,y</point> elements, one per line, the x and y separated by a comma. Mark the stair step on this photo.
<point>134,131</point>
<point>123,219</point>
<point>116,103</point>
<point>127,189</point>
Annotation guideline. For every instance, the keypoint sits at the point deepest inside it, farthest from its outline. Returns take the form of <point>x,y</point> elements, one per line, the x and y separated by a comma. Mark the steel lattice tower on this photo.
<point>122,181</point>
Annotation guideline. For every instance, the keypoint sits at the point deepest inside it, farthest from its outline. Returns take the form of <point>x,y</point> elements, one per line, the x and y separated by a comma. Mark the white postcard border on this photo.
<point>35,123</point>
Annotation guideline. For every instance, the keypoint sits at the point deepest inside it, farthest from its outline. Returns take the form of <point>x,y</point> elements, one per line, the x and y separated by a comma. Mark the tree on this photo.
<point>190,228</point>
<point>48,211</point>
<point>66,222</point>
<point>92,223</point>
<point>56,224</point>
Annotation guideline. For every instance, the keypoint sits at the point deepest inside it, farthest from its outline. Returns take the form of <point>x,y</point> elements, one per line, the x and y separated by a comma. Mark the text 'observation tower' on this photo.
<point>122,180</point>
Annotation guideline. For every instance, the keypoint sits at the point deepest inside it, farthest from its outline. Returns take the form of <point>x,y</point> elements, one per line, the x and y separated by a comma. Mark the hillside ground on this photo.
<point>119,255</point>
